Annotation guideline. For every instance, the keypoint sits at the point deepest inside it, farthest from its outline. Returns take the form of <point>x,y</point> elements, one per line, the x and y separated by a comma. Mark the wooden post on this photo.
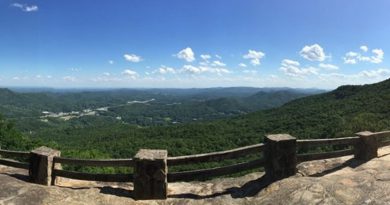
<point>41,165</point>
<point>280,156</point>
<point>367,146</point>
<point>150,174</point>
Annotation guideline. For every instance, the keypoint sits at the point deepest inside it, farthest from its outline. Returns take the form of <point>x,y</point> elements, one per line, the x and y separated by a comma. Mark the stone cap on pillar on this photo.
<point>364,133</point>
<point>45,151</point>
<point>280,137</point>
<point>151,154</point>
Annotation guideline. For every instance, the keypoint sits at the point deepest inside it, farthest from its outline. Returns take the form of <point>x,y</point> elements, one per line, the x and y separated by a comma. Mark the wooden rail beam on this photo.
<point>324,155</point>
<point>13,163</point>
<point>216,156</point>
<point>93,177</point>
<point>326,142</point>
<point>15,153</point>
<point>96,163</point>
<point>212,172</point>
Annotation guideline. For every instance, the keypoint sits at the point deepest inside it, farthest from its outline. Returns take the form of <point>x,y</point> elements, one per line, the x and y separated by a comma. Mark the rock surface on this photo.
<point>332,181</point>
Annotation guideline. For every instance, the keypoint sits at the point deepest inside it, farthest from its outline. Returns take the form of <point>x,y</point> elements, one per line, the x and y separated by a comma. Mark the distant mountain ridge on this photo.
<point>168,107</point>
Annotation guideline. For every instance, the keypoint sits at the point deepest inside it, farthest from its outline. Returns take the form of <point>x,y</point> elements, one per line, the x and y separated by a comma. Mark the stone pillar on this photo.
<point>367,146</point>
<point>41,165</point>
<point>280,156</point>
<point>150,174</point>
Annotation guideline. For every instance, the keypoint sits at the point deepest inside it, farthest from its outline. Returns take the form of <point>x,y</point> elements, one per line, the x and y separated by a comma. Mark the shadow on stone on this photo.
<point>352,163</point>
<point>117,191</point>
<point>21,177</point>
<point>251,188</point>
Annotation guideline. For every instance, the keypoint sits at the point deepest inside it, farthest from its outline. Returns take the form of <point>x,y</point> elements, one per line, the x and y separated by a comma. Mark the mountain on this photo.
<point>341,112</point>
<point>32,110</point>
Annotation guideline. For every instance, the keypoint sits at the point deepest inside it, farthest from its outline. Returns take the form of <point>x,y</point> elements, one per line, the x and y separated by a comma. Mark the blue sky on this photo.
<point>202,43</point>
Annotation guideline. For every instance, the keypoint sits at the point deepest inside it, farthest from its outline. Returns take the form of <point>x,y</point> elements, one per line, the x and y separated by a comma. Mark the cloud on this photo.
<point>254,56</point>
<point>25,7</point>
<point>132,58</point>
<point>106,74</point>
<point>243,65</point>
<point>186,54</point>
<point>355,57</point>
<point>130,74</point>
<point>69,78</point>
<point>378,55</point>
<point>364,48</point>
<point>190,69</point>
<point>165,70</point>
<point>110,62</point>
<point>313,53</point>
<point>375,73</point>
<point>205,57</point>
<point>292,68</point>
<point>327,66</point>
<point>218,64</point>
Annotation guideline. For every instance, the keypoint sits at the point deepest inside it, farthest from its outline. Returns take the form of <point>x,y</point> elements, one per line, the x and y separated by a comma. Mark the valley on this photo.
<point>338,113</point>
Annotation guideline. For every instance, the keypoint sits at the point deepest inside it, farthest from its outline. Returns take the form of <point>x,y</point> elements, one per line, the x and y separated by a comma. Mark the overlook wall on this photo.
<point>278,155</point>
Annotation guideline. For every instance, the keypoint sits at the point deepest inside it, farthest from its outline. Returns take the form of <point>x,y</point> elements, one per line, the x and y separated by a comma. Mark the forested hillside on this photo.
<point>341,112</point>
<point>143,107</point>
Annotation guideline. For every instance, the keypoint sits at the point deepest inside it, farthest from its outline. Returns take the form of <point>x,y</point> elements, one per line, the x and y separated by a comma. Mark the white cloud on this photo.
<point>328,66</point>
<point>242,65</point>
<point>375,73</point>
<point>205,57</point>
<point>111,62</point>
<point>292,68</point>
<point>186,54</point>
<point>165,70</point>
<point>351,58</point>
<point>313,53</point>
<point>218,64</point>
<point>254,56</point>
<point>190,69</point>
<point>16,78</point>
<point>218,56</point>
<point>25,7</point>
<point>364,48</point>
<point>69,78</point>
<point>354,57</point>
<point>219,71</point>
<point>378,57</point>
<point>106,74</point>
<point>130,74</point>
<point>132,58</point>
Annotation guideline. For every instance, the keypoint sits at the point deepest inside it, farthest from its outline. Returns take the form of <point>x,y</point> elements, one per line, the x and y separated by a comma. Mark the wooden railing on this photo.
<point>272,155</point>
<point>325,142</point>
<point>92,176</point>
<point>12,162</point>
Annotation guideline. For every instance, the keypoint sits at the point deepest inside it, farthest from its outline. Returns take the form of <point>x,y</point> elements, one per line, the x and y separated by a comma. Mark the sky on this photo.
<point>199,43</point>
